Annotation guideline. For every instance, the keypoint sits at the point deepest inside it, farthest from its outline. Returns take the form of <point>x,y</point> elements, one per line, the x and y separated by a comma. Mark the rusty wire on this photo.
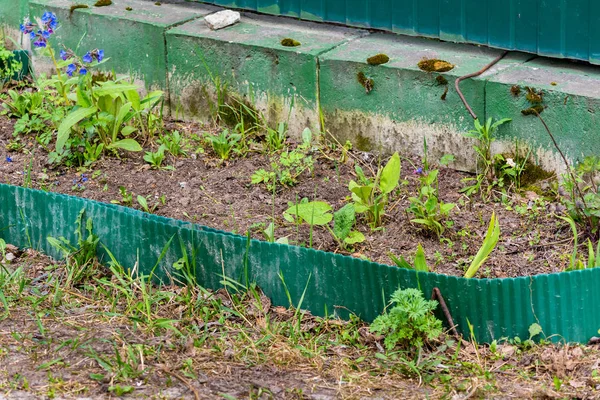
<point>472,75</point>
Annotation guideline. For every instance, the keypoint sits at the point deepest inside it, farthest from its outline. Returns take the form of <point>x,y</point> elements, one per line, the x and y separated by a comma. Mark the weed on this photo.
<point>371,196</point>
<point>489,243</point>
<point>155,159</point>
<point>410,322</point>
<point>485,136</point>
<point>224,143</point>
<point>429,211</point>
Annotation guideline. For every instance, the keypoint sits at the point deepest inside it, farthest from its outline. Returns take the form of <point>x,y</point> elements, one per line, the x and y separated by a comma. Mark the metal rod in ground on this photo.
<point>436,294</point>
<point>472,75</point>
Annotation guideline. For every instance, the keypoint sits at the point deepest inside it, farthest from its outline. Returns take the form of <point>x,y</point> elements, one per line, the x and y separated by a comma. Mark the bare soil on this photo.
<point>204,190</point>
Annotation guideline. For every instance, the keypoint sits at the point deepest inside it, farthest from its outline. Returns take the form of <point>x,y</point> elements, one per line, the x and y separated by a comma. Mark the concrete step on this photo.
<point>392,106</point>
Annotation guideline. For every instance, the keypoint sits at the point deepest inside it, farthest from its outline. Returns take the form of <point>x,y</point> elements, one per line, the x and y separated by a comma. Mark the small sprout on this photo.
<point>435,65</point>
<point>515,90</point>
<point>287,42</point>
<point>367,83</point>
<point>103,3</point>
<point>378,59</point>
<point>128,8</point>
<point>533,110</point>
<point>534,97</point>
<point>444,94</point>
<point>441,80</point>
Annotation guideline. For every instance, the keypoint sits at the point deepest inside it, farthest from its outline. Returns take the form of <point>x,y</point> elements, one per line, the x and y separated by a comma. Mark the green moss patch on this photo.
<point>378,59</point>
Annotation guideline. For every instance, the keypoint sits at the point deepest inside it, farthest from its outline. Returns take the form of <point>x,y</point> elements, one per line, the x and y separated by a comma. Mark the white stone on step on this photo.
<point>222,19</point>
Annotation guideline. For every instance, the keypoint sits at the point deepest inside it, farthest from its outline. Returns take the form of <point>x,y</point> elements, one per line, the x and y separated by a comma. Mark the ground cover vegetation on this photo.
<point>88,132</point>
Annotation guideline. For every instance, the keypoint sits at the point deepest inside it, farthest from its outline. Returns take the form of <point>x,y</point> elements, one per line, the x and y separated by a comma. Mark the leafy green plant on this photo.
<point>23,103</point>
<point>174,143</point>
<point>343,224</point>
<point>318,213</point>
<point>429,211</point>
<point>285,169</point>
<point>576,262</point>
<point>275,138</point>
<point>371,197</point>
<point>9,65</point>
<point>581,196</point>
<point>410,322</point>
<point>419,263</point>
<point>485,136</point>
<point>126,197</point>
<point>156,158</point>
<point>490,241</point>
<point>224,143</point>
<point>80,257</point>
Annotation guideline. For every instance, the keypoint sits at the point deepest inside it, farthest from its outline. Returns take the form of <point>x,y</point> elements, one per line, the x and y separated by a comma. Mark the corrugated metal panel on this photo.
<point>555,28</point>
<point>563,304</point>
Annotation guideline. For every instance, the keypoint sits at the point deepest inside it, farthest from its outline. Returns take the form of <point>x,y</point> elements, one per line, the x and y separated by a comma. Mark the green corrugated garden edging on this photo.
<point>563,304</point>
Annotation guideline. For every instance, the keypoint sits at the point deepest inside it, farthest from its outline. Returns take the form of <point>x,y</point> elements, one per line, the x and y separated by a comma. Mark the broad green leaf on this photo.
<point>390,174</point>
<point>83,99</point>
<point>134,98</point>
<point>128,130</point>
<point>113,89</point>
<point>363,193</point>
<point>125,144</point>
<point>143,202</point>
<point>354,237</point>
<point>489,244</point>
<point>123,111</point>
<point>313,213</point>
<point>420,261</point>
<point>534,330</point>
<point>70,121</point>
<point>343,221</point>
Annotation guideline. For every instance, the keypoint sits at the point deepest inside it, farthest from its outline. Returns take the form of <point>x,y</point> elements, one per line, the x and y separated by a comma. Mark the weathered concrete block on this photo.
<point>571,108</point>
<point>131,32</point>
<point>406,104</point>
<point>12,13</point>
<point>249,59</point>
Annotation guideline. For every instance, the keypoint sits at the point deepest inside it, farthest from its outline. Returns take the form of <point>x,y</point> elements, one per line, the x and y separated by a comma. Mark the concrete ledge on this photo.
<point>571,107</point>
<point>170,47</point>
<point>12,13</point>
<point>281,82</point>
<point>406,104</point>
<point>133,39</point>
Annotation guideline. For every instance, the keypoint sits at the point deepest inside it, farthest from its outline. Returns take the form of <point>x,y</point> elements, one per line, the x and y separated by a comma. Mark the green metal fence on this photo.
<point>555,28</point>
<point>563,304</point>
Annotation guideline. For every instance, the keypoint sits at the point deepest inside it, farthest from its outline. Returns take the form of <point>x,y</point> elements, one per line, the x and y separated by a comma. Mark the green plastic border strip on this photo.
<point>563,304</point>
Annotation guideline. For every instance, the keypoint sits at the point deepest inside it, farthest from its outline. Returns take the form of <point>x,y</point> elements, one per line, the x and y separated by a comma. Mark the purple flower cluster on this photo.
<point>40,32</point>
<point>78,66</point>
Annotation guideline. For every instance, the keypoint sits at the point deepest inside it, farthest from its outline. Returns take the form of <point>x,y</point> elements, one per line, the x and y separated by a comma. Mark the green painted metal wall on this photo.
<point>555,28</point>
<point>563,304</point>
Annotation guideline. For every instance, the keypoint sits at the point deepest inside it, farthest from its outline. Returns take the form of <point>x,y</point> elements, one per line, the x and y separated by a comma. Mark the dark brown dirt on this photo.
<point>221,196</point>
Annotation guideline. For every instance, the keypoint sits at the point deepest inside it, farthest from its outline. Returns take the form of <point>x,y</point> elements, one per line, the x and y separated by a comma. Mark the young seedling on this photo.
<point>372,197</point>
<point>489,244</point>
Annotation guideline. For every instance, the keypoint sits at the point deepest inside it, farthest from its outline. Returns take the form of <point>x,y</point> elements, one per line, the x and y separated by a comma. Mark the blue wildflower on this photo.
<point>100,55</point>
<point>71,68</point>
<point>84,178</point>
<point>82,71</point>
<point>419,171</point>
<point>87,58</point>
<point>9,159</point>
<point>64,55</point>
<point>50,21</point>
<point>27,27</point>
